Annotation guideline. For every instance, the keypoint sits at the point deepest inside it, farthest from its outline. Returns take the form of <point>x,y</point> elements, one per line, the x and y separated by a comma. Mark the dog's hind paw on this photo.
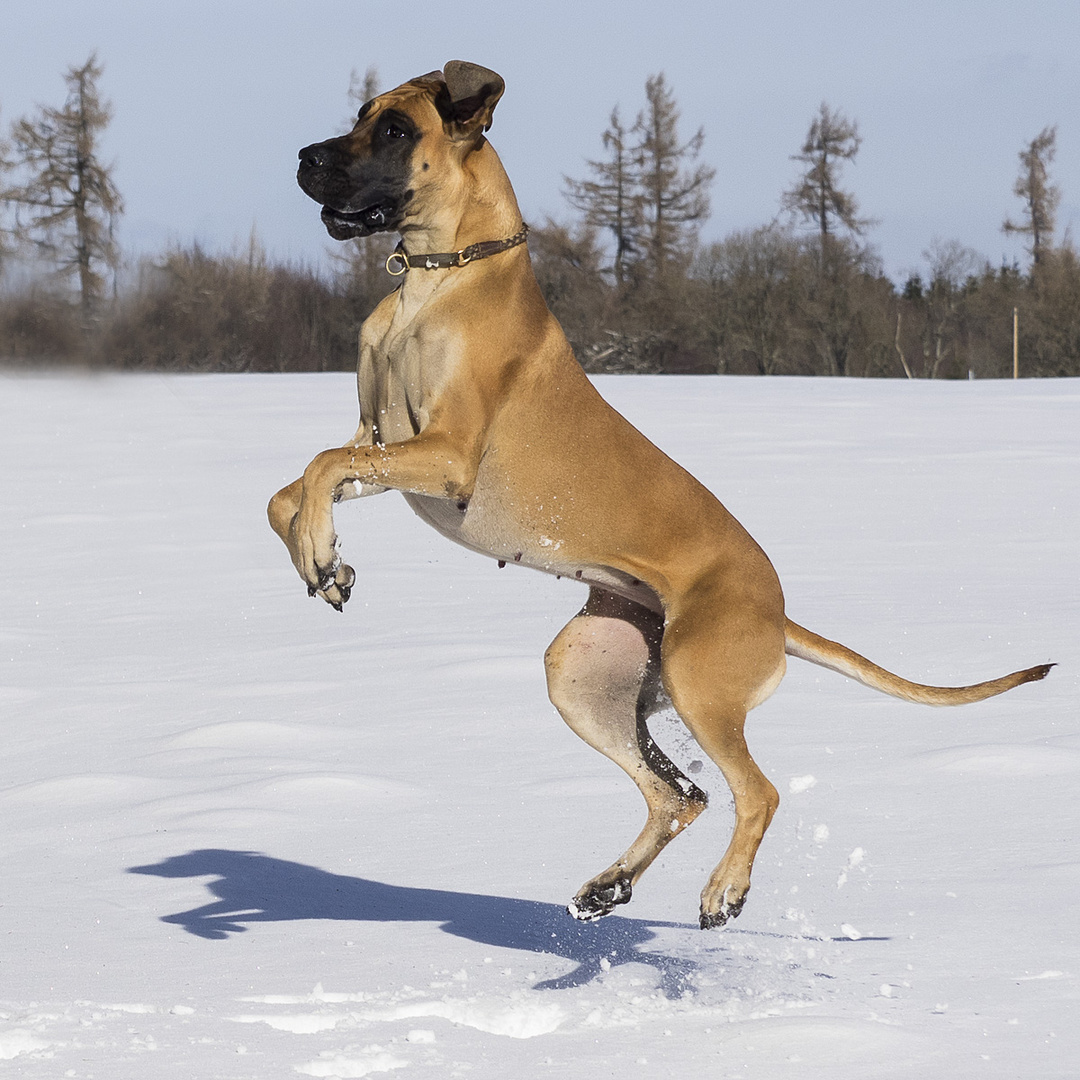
<point>710,920</point>
<point>596,901</point>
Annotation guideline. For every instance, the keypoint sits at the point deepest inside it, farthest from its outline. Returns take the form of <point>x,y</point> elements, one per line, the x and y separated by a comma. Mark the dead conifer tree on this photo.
<point>1040,197</point>
<point>5,233</point>
<point>361,90</point>
<point>361,263</point>
<point>675,192</point>
<point>817,196</point>
<point>612,200</point>
<point>67,204</point>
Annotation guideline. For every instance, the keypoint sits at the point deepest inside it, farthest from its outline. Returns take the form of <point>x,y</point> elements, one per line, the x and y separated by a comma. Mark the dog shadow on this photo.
<point>252,888</point>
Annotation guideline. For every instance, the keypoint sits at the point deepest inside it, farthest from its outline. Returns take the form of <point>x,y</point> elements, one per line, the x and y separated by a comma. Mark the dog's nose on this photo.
<point>314,156</point>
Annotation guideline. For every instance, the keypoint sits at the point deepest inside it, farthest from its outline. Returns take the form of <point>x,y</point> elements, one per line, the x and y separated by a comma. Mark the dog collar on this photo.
<point>401,260</point>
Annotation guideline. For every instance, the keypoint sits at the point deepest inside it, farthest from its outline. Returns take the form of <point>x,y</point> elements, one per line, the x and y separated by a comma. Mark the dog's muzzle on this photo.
<point>348,210</point>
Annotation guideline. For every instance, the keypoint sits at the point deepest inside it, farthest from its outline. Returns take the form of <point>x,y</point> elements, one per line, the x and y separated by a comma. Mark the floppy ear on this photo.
<point>472,93</point>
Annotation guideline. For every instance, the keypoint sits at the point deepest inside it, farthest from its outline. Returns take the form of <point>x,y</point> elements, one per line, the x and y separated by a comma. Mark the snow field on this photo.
<point>245,836</point>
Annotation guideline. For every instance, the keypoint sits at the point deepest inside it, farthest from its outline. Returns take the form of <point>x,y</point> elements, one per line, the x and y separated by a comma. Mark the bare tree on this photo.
<point>817,196</point>
<point>361,90</point>
<point>952,267</point>
<point>613,200</point>
<point>827,299</point>
<point>675,192</point>
<point>651,196</point>
<point>1040,197</point>
<point>68,204</point>
<point>6,237</point>
<point>749,277</point>
<point>361,262</point>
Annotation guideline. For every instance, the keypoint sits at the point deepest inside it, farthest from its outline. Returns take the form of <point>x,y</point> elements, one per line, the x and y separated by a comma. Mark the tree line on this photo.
<point>626,272</point>
<point>805,293</point>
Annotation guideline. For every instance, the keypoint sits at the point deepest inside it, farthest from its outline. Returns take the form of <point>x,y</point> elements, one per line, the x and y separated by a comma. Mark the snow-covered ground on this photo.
<point>244,836</point>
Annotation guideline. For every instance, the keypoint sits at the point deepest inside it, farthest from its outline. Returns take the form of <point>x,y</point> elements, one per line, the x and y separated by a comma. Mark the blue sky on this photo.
<point>213,99</point>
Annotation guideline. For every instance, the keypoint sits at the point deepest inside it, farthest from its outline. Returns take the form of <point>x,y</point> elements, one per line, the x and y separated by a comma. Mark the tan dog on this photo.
<point>473,406</point>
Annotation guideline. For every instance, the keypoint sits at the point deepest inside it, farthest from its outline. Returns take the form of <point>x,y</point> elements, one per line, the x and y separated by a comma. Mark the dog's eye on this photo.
<point>392,127</point>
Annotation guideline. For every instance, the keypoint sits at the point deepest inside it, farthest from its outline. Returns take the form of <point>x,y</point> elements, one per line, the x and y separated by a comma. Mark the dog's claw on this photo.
<point>334,585</point>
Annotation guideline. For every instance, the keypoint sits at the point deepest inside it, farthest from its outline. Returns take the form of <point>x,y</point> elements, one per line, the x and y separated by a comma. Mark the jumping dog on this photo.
<point>473,406</point>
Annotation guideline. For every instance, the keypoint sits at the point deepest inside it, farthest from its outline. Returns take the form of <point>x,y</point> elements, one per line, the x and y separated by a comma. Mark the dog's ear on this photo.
<point>471,94</point>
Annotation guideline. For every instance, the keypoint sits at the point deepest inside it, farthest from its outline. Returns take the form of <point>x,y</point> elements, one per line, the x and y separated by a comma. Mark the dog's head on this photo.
<point>406,146</point>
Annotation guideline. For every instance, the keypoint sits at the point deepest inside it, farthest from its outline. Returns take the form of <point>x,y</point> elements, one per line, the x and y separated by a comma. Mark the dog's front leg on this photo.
<point>430,464</point>
<point>283,512</point>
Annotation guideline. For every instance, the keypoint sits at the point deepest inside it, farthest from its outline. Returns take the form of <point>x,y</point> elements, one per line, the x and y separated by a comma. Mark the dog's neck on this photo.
<point>487,209</point>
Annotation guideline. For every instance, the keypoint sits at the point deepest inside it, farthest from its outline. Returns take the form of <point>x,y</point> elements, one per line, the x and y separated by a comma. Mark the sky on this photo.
<point>212,100</point>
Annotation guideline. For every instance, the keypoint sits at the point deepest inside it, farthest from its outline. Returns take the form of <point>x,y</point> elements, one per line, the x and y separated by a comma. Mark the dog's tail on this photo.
<point>807,645</point>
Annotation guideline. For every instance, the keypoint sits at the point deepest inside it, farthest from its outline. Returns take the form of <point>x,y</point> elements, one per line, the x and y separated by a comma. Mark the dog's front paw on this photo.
<point>336,588</point>
<point>314,548</point>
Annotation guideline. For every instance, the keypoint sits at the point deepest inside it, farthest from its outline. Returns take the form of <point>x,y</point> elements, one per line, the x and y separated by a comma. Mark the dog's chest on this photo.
<point>399,389</point>
<point>395,404</point>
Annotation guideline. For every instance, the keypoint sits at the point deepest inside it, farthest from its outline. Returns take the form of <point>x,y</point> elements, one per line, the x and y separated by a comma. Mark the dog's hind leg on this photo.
<point>603,677</point>
<point>721,659</point>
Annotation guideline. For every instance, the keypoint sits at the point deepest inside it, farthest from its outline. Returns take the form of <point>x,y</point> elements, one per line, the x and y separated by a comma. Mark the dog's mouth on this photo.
<point>346,224</point>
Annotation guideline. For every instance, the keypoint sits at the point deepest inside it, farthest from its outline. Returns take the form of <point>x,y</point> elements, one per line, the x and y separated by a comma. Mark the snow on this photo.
<point>247,837</point>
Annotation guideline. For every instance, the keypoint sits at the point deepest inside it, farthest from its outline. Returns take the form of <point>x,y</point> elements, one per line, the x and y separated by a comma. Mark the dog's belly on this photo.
<point>496,535</point>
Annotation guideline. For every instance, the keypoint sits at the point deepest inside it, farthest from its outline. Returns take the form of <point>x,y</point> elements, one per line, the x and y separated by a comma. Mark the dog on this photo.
<point>473,406</point>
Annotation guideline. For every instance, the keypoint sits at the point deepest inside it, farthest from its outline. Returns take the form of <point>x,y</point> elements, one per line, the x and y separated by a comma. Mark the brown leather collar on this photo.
<point>401,260</point>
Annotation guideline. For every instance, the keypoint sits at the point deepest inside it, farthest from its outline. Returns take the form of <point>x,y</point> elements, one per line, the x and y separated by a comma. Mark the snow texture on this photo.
<point>247,837</point>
